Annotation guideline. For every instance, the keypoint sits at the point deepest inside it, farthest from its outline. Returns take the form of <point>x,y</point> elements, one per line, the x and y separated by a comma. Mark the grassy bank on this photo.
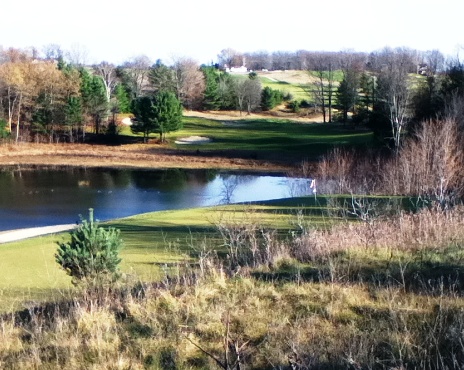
<point>270,138</point>
<point>376,294</point>
<point>259,143</point>
<point>29,272</point>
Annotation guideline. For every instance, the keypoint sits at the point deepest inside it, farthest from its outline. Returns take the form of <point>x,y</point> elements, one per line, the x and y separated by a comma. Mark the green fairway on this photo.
<point>270,138</point>
<point>30,273</point>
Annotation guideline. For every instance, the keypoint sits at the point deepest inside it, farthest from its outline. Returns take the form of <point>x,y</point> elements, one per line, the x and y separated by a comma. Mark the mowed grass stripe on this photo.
<point>29,271</point>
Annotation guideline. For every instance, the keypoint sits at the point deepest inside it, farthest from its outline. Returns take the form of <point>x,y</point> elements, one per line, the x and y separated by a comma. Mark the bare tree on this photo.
<point>190,82</point>
<point>107,72</point>
<point>230,58</point>
<point>52,52</point>
<point>395,92</point>
<point>77,55</point>
<point>248,94</point>
<point>434,61</point>
<point>323,66</point>
<point>281,60</point>
<point>137,70</point>
<point>258,60</point>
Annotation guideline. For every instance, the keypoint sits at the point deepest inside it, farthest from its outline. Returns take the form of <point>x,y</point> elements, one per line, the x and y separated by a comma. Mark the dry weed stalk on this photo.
<point>430,164</point>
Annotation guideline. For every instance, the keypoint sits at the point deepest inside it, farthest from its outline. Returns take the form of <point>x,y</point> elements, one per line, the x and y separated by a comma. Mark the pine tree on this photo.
<point>145,118</point>
<point>161,114</point>
<point>122,98</point>
<point>93,95</point>
<point>267,99</point>
<point>92,255</point>
<point>211,100</point>
<point>168,112</point>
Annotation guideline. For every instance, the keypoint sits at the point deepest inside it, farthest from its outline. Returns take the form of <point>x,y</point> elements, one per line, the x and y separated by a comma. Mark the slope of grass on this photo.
<point>30,273</point>
<point>271,138</point>
<point>334,302</point>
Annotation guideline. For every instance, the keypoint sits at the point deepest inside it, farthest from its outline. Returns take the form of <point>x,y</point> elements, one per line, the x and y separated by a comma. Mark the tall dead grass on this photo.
<point>429,164</point>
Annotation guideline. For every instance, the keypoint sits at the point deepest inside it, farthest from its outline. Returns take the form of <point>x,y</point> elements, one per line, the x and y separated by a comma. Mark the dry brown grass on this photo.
<point>276,316</point>
<point>279,112</point>
<point>133,155</point>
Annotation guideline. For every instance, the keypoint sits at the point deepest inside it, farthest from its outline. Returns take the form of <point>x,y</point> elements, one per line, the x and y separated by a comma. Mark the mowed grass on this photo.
<point>270,138</point>
<point>298,84</point>
<point>29,272</point>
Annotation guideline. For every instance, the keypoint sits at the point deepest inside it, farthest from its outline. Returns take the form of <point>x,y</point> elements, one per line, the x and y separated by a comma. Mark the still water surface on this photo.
<point>48,197</point>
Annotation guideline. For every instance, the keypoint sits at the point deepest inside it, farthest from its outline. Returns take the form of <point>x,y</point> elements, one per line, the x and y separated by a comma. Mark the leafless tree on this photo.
<point>282,60</point>
<point>190,82</point>
<point>137,70</point>
<point>435,61</point>
<point>322,66</point>
<point>258,60</point>
<point>77,55</point>
<point>230,58</point>
<point>395,90</point>
<point>107,72</point>
<point>248,94</point>
<point>52,52</point>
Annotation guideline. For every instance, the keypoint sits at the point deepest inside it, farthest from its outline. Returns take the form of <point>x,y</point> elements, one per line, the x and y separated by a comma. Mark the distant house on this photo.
<point>241,69</point>
<point>422,69</point>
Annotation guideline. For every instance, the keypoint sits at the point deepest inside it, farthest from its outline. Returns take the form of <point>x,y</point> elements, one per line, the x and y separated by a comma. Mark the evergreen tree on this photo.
<point>92,255</point>
<point>161,114</point>
<point>4,133</point>
<point>162,78</point>
<point>211,100</point>
<point>267,99</point>
<point>122,99</point>
<point>73,116</point>
<point>347,92</point>
<point>168,112</point>
<point>94,101</point>
<point>226,92</point>
<point>145,117</point>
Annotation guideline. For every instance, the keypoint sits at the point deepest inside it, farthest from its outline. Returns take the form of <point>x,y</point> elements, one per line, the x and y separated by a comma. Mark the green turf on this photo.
<point>271,138</point>
<point>29,272</point>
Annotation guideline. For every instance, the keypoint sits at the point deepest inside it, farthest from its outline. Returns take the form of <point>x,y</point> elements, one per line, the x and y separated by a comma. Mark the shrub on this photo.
<point>3,131</point>
<point>294,106</point>
<point>92,255</point>
<point>270,98</point>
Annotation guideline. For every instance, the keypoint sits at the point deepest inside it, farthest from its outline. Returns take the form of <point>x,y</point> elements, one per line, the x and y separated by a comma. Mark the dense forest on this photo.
<point>53,97</point>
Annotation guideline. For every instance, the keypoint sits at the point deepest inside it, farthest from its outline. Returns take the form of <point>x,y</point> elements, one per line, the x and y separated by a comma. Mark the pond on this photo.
<point>32,198</point>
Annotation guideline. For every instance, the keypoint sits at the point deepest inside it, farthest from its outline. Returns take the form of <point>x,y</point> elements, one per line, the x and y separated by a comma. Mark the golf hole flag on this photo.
<point>313,186</point>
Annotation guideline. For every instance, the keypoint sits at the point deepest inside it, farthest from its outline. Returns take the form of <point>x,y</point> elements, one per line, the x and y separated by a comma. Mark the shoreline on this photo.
<point>20,234</point>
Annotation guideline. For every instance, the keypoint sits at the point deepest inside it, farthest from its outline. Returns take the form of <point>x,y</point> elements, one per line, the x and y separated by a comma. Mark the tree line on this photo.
<point>55,98</point>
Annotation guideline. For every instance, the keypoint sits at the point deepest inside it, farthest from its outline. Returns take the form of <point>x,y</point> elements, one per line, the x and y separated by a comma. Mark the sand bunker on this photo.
<point>127,121</point>
<point>193,140</point>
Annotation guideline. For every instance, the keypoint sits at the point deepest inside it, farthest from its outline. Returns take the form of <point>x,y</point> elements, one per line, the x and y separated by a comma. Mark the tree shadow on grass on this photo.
<point>418,278</point>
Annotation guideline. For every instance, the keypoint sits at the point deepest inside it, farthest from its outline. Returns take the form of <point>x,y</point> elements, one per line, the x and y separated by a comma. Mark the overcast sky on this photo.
<point>116,30</point>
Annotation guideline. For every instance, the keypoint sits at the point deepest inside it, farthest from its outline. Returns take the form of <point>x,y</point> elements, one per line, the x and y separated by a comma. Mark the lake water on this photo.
<point>46,197</point>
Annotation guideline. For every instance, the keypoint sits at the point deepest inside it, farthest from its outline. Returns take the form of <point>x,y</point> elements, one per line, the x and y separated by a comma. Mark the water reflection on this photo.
<point>47,197</point>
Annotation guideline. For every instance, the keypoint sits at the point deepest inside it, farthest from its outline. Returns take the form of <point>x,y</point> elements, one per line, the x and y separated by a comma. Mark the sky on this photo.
<point>117,31</point>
